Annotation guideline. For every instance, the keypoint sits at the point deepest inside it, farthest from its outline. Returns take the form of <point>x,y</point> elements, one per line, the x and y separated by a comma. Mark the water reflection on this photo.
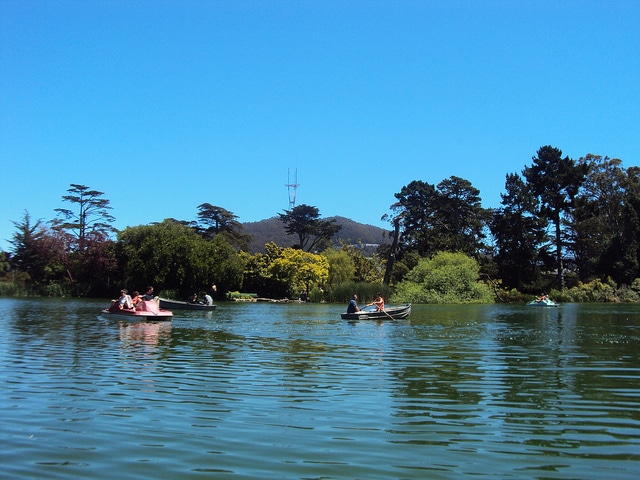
<point>519,378</point>
<point>292,391</point>
<point>148,334</point>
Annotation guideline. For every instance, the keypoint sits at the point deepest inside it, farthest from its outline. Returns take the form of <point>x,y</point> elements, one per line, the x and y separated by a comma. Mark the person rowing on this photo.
<point>378,302</point>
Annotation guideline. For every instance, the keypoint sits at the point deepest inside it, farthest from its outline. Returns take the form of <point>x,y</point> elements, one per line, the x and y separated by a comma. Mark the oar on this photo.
<point>385,312</point>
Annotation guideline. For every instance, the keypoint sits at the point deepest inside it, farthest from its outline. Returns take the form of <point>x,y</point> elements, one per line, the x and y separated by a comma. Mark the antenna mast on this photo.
<point>291,188</point>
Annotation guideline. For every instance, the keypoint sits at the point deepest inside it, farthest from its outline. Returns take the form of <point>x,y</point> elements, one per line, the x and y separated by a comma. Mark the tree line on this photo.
<point>561,224</point>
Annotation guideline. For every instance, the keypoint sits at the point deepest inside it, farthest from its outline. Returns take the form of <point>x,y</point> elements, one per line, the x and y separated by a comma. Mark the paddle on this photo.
<point>383,311</point>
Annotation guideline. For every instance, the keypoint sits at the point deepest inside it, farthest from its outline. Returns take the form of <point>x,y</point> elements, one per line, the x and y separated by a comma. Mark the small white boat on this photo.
<point>542,302</point>
<point>147,310</point>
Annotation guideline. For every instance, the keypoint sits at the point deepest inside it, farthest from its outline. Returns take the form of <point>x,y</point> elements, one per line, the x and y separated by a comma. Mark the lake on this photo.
<point>291,391</point>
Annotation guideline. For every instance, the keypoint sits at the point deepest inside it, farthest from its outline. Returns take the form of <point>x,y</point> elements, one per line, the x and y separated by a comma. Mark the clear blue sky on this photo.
<point>164,105</point>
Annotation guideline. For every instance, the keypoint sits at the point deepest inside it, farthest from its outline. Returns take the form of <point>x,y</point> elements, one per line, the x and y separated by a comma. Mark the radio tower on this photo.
<point>291,188</point>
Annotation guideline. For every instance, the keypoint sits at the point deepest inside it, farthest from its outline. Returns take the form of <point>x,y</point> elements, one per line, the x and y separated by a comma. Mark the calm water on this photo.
<point>291,391</point>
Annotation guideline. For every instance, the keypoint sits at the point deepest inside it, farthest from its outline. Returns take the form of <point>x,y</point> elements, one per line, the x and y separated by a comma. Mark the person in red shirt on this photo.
<point>378,302</point>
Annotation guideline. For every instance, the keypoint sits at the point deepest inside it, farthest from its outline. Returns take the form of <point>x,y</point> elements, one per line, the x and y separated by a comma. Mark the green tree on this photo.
<point>304,221</point>
<point>519,233</point>
<point>257,278</point>
<point>461,220</point>
<point>172,256</point>
<point>555,182</point>
<point>86,232</point>
<point>391,252</point>
<point>215,221</point>
<point>604,221</point>
<point>621,258</point>
<point>96,269</point>
<point>226,265</point>
<point>415,213</point>
<point>285,272</point>
<point>5,266</point>
<point>300,269</point>
<point>368,269</point>
<point>341,267</point>
<point>428,219</point>
<point>444,278</point>
<point>90,220</point>
<point>632,217</point>
<point>39,253</point>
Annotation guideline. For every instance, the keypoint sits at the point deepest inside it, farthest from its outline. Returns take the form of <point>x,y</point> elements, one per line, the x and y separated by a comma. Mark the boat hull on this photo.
<point>178,305</point>
<point>138,316</point>
<point>148,311</point>
<point>542,303</point>
<point>394,313</point>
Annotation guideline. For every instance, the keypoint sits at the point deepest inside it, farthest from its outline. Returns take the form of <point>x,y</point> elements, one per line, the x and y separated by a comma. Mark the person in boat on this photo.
<point>124,302</point>
<point>542,298</point>
<point>193,298</point>
<point>136,299</point>
<point>207,299</point>
<point>148,294</point>
<point>353,304</point>
<point>378,302</point>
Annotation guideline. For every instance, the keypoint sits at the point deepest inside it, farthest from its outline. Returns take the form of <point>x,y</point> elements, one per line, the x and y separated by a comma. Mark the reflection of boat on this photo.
<point>394,313</point>
<point>178,305</point>
<point>148,310</point>
<point>542,302</point>
<point>145,333</point>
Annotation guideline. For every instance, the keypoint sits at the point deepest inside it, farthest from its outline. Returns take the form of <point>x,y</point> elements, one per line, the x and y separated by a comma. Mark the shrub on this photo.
<point>445,278</point>
<point>594,291</point>
<point>8,289</point>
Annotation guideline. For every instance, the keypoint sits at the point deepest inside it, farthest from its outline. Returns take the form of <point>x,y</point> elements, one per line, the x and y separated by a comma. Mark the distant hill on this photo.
<point>272,230</point>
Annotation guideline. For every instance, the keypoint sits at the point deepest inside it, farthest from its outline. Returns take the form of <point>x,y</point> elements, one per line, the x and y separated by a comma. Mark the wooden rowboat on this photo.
<point>178,305</point>
<point>392,313</point>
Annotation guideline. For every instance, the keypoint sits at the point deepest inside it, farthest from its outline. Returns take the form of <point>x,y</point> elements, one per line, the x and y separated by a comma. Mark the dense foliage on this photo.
<point>444,278</point>
<point>593,208</point>
<point>605,222</point>
<point>566,227</point>
<point>285,272</point>
<point>519,233</point>
<point>172,256</point>
<point>555,181</point>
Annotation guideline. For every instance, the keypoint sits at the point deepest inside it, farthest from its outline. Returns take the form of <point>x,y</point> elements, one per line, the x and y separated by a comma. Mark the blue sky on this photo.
<point>164,105</point>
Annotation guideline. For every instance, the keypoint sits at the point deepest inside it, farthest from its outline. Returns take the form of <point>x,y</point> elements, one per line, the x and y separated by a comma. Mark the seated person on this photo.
<point>148,295</point>
<point>378,302</point>
<point>353,305</point>
<point>136,300</point>
<point>124,302</point>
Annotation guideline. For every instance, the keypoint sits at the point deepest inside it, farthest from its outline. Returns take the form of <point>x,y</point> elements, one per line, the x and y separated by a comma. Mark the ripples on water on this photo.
<point>292,391</point>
